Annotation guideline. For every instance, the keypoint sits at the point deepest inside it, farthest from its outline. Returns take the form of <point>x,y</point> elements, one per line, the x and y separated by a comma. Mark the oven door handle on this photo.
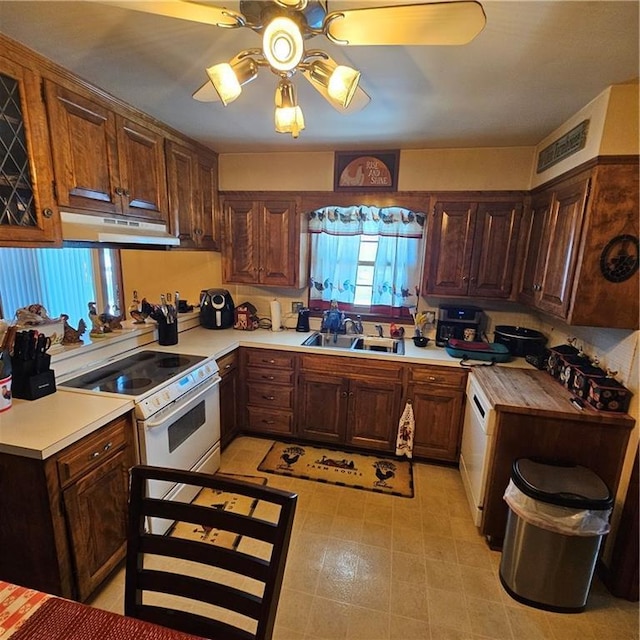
<point>182,402</point>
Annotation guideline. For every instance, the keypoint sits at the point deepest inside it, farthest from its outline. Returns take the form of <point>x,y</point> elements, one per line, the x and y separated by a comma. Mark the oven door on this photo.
<point>180,435</point>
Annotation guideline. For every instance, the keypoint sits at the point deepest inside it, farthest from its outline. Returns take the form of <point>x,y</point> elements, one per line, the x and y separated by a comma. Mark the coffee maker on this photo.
<point>453,320</point>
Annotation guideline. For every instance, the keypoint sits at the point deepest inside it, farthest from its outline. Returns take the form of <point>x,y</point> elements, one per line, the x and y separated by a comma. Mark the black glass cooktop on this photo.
<point>135,374</point>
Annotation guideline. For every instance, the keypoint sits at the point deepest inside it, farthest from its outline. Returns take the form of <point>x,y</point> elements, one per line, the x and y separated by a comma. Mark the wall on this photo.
<point>151,273</point>
<point>613,130</point>
<point>419,170</point>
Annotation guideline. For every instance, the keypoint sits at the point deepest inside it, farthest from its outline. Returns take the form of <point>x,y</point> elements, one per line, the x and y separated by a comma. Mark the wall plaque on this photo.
<point>366,171</point>
<point>563,147</point>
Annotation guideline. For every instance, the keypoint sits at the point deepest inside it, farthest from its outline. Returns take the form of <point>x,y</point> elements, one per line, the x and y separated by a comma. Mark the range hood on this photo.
<point>85,228</point>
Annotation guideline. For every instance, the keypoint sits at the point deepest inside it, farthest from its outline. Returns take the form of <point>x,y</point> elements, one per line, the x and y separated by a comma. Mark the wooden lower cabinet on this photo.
<point>229,395</point>
<point>269,391</point>
<point>67,529</point>
<point>360,406</point>
<point>437,396</point>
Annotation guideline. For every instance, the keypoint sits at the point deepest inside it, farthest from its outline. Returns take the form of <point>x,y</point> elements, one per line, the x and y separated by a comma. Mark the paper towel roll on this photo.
<point>276,315</point>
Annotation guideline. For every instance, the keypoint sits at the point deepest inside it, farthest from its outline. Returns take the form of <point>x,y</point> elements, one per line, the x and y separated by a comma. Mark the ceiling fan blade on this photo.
<point>439,23</point>
<point>359,101</point>
<point>206,93</point>
<point>205,14</point>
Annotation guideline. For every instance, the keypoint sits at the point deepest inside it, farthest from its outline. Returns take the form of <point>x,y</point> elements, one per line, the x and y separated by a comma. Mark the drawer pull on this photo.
<point>268,377</point>
<point>269,397</point>
<point>269,361</point>
<point>228,366</point>
<point>432,378</point>
<point>269,421</point>
<point>96,454</point>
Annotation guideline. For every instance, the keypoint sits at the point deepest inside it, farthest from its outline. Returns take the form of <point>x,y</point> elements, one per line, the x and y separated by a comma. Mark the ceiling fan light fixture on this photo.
<point>288,115</point>
<point>228,79</point>
<point>340,81</point>
<point>282,44</point>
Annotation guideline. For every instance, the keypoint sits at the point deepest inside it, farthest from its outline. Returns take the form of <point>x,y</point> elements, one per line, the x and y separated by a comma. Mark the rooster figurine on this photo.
<point>136,311</point>
<point>71,335</point>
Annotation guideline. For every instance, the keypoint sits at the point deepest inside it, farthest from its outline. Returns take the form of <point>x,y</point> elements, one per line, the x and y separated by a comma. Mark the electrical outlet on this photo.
<point>296,306</point>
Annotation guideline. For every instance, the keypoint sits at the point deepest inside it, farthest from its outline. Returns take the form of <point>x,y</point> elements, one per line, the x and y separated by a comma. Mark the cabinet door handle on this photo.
<point>126,192</point>
<point>344,394</point>
<point>465,278</point>
<point>119,191</point>
<point>47,213</point>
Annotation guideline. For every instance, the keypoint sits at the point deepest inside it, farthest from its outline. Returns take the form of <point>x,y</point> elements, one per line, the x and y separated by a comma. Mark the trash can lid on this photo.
<point>567,485</point>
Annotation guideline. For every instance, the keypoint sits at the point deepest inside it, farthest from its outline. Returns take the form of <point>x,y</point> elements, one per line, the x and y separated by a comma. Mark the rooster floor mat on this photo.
<point>223,501</point>
<point>360,471</point>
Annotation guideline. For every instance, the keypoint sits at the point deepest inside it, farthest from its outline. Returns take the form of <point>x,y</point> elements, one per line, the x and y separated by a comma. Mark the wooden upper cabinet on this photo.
<point>471,248</point>
<point>182,183</point>
<point>103,162</point>
<point>192,179</point>
<point>208,225</point>
<point>28,212</point>
<point>573,227</point>
<point>450,243</point>
<point>262,242</point>
<point>143,173</point>
<point>560,244</point>
<point>534,257</point>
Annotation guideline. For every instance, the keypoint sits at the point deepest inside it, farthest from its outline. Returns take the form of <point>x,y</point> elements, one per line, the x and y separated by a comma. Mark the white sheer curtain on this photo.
<point>334,268</point>
<point>335,243</point>
<point>396,275</point>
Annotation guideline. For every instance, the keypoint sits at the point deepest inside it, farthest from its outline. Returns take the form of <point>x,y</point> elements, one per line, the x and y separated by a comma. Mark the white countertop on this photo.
<point>41,428</point>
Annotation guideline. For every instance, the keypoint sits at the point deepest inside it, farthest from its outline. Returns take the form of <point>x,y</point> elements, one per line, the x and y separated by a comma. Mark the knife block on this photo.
<point>27,384</point>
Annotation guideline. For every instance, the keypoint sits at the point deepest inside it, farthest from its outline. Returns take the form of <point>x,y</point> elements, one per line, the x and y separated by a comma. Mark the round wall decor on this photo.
<point>619,258</point>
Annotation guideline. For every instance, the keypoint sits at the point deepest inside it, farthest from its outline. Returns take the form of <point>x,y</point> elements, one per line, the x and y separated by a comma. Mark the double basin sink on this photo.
<point>354,342</point>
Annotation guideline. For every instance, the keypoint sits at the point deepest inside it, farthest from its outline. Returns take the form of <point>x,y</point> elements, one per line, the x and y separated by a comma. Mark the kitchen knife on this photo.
<point>31,344</point>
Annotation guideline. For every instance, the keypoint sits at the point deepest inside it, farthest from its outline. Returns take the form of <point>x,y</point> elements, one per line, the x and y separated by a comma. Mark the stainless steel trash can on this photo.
<point>558,515</point>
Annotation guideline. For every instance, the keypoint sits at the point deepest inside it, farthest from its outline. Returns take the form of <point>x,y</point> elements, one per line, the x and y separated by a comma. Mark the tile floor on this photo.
<point>374,567</point>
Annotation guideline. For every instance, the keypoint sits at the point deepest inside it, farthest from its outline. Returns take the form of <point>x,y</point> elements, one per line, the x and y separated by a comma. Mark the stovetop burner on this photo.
<point>136,374</point>
<point>171,361</point>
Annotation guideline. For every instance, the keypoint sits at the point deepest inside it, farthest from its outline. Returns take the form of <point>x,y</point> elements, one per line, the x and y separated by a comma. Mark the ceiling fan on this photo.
<point>285,25</point>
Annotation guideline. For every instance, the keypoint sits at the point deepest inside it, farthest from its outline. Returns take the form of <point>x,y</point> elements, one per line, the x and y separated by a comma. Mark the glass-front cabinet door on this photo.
<point>28,214</point>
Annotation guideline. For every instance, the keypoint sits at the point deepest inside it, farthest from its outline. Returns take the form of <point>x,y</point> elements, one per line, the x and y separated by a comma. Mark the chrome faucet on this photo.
<point>356,325</point>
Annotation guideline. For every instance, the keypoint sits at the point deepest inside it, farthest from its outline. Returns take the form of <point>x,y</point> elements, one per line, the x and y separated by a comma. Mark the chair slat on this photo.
<point>141,579</point>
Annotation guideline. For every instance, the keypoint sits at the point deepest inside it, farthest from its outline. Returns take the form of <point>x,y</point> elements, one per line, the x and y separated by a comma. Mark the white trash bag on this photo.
<point>553,517</point>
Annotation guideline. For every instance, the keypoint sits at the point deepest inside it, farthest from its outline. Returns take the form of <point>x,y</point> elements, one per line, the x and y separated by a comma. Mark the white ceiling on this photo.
<point>533,66</point>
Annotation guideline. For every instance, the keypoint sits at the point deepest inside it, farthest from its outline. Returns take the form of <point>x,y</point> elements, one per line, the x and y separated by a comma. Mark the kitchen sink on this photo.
<point>379,345</point>
<point>354,343</point>
<point>330,340</point>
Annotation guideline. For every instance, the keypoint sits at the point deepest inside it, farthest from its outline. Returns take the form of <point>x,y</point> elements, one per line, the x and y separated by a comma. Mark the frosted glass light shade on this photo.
<point>282,44</point>
<point>225,82</point>
<point>339,81</point>
<point>343,84</point>
<point>289,120</point>
<point>228,79</point>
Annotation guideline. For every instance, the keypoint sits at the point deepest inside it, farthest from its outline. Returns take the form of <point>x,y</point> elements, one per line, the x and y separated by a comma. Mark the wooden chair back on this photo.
<point>228,588</point>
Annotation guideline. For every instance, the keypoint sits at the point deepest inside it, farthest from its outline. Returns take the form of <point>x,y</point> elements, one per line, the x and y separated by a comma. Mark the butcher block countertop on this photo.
<point>534,392</point>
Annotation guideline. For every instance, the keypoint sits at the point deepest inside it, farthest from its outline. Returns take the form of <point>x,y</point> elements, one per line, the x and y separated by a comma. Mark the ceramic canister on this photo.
<point>5,394</point>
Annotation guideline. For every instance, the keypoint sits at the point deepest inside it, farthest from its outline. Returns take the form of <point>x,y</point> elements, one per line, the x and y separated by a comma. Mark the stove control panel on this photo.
<point>163,397</point>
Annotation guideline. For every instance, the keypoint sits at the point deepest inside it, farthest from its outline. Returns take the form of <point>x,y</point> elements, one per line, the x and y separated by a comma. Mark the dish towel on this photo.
<point>406,429</point>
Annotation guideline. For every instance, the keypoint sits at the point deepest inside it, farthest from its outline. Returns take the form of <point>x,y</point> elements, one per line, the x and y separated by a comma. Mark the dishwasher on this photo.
<point>477,446</point>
